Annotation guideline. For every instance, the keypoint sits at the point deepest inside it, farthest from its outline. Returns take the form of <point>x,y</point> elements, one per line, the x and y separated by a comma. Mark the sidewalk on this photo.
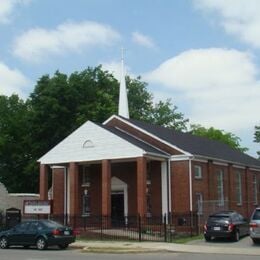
<point>148,247</point>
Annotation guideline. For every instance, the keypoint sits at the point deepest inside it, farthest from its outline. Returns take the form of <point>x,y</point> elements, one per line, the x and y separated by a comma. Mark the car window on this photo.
<point>236,218</point>
<point>256,215</point>
<point>52,224</point>
<point>219,219</point>
<point>36,226</point>
<point>241,218</point>
<point>22,226</point>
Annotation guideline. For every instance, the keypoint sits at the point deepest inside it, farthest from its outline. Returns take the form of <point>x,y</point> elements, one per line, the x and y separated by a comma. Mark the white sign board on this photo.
<point>37,207</point>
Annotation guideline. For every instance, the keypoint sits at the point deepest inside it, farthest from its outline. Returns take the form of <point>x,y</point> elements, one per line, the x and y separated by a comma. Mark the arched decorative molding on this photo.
<point>118,185</point>
<point>88,144</point>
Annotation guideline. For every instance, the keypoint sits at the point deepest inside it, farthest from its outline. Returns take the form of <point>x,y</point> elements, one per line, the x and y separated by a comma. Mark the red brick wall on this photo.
<point>126,171</point>
<point>58,191</point>
<point>180,186</point>
<point>94,190</point>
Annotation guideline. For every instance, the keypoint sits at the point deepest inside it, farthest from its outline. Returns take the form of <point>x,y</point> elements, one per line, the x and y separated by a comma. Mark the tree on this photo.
<point>15,145</point>
<point>165,114</point>
<point>56,107</point>
<point>257,137</point>
<point>220,135</point>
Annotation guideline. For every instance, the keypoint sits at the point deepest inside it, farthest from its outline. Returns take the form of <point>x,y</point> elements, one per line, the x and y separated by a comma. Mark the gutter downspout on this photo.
<point>191,194</point>
<point>65,196</point>
<point>169,200</point>
<point>190,185</point>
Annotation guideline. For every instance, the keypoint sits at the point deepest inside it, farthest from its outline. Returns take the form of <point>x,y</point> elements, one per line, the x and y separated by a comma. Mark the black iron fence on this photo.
<point>162,228</point>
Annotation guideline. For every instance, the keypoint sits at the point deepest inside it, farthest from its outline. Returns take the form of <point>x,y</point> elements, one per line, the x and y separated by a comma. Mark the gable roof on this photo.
<point>137,142</point>
<point>195,145</point>
<point>93,142</point>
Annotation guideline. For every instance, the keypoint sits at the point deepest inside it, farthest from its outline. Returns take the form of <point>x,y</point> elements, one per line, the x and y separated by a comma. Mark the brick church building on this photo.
<point>125,167</point>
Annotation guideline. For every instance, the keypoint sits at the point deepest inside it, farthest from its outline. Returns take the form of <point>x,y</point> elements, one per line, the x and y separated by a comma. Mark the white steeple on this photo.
<point>123,101</point>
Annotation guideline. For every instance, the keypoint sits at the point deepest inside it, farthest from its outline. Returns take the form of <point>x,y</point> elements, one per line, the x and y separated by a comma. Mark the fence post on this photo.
<point>165,228</point>
<point>191,223</point>
<point>101,228</point>
<point>139,228</point>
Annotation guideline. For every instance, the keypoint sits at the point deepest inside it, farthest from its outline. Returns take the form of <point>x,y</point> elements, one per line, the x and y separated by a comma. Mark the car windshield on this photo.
<point>219,219</point>
<point>52,224</point>
<point>256,215</point>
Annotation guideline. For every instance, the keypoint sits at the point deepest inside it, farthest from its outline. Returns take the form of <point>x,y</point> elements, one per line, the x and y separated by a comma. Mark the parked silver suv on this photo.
<point>255,226</point>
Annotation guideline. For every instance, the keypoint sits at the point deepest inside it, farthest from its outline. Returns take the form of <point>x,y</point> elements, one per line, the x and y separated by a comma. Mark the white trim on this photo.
<point>197,169</point>
<point>68,191</point>
<point>164,187</point>
<point>156,156</point>
<point>119,185</point>
<point>169,185</point>
<point>65,195</point>
<point>220,163</point>
<point>239,167</point>
<point>57,167</point>
<point>24,195</point>
<point>180,157</point>
<point>253,169</point>
<point>190,185</point>
<point>199,160</point>
<point>225,161</point>
<point>147,133</point>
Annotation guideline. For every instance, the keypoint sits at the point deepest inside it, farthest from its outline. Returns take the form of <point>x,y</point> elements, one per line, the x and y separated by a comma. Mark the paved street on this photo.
<point>195,250</point>
<point>75,254</point>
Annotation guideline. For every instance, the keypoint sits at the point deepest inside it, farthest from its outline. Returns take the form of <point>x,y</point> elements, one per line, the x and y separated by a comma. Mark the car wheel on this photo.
<point>63,246</point>
<point>256,241</point>
<point>236,236</point>
<point>207,238</point>
<point>3,242</point>
<point>41,243</point>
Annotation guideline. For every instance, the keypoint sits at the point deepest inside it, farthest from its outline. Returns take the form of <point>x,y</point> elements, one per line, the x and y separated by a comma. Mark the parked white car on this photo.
<point>255,226</point>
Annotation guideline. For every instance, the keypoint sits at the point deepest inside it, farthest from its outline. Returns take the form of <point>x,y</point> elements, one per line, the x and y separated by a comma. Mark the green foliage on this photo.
<point>165,114</point>
<point>257,137</point>
<point>219,135</point>
<point>56,107</point>
<point>15,152</point>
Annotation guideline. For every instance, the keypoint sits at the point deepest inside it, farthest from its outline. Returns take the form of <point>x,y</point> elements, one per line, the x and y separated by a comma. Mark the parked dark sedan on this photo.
<point>39,233</point>
<point>226,224</point>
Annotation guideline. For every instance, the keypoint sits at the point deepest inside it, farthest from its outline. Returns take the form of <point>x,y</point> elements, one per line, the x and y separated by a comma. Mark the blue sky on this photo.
<point>203,54</point>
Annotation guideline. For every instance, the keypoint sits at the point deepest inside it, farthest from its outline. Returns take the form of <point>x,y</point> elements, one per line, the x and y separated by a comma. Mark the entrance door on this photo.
<point>117,209</point>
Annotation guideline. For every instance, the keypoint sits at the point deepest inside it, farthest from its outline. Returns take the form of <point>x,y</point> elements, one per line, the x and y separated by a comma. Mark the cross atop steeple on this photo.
<point>123,101</point>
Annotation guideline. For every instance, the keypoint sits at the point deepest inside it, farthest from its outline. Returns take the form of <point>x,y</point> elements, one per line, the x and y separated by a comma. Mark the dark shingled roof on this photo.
<point>196,145</point>
<point>137,142</point>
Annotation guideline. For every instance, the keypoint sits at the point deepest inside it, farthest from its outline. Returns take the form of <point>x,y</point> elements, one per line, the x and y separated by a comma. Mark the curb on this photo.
<point>117,248</point>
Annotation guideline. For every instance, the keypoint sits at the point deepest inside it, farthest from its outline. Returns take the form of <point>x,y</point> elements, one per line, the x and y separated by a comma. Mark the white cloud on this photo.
<point>143,40</point>
<point>12,81</point>
<point>38,43</point>
<point>238,17</point>
<point>7,7</point>
<point>219,86</point>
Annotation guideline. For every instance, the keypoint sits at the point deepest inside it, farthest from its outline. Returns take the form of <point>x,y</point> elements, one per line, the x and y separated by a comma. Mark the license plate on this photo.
<point>216,228</point>
<point>66,233</point>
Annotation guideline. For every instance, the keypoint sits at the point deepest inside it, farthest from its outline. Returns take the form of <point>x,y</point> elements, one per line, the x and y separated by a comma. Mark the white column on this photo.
<point>164,187</point>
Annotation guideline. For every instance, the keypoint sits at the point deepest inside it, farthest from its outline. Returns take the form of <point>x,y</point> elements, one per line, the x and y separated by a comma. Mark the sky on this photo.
<point>203,54</point>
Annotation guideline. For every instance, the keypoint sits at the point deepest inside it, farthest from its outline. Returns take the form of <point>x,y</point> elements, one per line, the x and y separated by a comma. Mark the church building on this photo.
<point>126,167</point>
